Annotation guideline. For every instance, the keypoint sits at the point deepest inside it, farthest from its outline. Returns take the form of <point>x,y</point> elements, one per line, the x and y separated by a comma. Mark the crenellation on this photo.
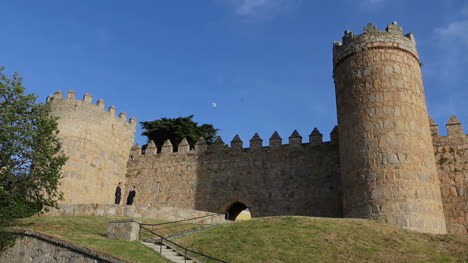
<point>275,140</point>
<point>374,39</point>
<point>347,37</point>
<point>132,121</point>
<point>200,145</point>
<point>88,98</point>
<point>256,142</point>
<point>454,127</point>
<point>218,144</point>
<point>100,103</point>
<point>112,110</point>
<point>295,140</point>
<point>184,146</point>
<point>123,115</point>
<point>370,29</point>
<point>151,149</point>
<point>135,151</point>
<point>394,28</point>
<point>237,144</point>
<point>315,137</point>
<point>71,94</point>
<point>167,147</point>
<point>334,135</point>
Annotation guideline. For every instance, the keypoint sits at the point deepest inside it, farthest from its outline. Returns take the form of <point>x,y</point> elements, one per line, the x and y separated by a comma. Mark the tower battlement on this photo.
<point>57,99</point>
<point>372,38</point>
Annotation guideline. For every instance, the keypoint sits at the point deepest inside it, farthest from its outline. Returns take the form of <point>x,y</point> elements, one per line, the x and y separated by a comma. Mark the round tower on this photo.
<point>386,154</point>
<point>97,143</point>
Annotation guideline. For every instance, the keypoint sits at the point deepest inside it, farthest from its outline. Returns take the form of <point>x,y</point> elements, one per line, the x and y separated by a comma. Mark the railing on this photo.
<point>184,249</point>
<point>177,225</point>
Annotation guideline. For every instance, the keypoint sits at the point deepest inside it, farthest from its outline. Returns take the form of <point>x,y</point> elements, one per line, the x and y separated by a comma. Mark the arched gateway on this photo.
<point>234,210</point>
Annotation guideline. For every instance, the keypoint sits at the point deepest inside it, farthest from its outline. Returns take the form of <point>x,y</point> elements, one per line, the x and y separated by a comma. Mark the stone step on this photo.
<point>168,253</point>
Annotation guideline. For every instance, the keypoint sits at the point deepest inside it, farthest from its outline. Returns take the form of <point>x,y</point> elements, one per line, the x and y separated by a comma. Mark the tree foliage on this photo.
<point>176,129</point>
<point>30,153</point>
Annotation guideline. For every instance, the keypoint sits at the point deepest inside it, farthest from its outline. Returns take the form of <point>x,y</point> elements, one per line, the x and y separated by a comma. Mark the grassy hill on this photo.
<point>273,239</point>
<point>309,239</point>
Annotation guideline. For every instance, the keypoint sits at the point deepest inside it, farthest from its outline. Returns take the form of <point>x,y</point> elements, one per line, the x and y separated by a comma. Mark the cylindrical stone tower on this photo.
<point>386,154</point>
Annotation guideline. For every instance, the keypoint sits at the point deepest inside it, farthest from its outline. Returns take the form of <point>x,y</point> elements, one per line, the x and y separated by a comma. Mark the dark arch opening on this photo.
<point>234,210</point>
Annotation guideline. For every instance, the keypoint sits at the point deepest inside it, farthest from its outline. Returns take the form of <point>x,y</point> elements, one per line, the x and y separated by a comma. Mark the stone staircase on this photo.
<point>170,253</point>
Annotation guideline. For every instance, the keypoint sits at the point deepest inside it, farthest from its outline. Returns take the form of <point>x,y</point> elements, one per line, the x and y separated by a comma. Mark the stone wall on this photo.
<point>451,154</point>
<point>289,179</point>
<point>387,166</point>
<point>135,211</point>
<point>97,143</point>
<point>32,246</point>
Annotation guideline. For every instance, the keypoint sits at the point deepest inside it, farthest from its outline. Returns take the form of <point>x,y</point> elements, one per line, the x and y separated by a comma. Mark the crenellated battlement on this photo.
<point>58,98</point>
<point>372,38</point>
<point>236,145</point>
<point>454,127</point>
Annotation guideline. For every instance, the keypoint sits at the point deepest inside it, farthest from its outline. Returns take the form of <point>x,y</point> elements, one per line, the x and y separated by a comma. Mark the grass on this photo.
<point>90,232</point>
<point>308,239</point>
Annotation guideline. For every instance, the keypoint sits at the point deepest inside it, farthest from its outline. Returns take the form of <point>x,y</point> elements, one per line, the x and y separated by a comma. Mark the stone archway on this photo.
<point>234,210</point>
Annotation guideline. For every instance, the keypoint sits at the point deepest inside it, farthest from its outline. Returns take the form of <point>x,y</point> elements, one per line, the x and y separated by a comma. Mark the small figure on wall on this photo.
<point>131,195</point>
<point>118,193</point>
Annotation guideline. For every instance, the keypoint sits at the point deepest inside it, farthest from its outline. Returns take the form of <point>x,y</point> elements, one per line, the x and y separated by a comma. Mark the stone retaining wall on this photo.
<point>165,213</point>
<point>37,247</point>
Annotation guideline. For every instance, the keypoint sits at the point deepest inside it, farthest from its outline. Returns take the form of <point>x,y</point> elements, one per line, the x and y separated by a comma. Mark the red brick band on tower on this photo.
<point>386,154</point>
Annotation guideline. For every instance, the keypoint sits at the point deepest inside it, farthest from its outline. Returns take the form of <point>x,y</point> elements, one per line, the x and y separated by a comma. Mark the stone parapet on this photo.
<point>372,38</point>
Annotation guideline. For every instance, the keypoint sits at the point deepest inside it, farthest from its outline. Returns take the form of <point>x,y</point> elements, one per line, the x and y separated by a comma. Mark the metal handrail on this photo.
<point>184,248</point>
<point>172,222</point>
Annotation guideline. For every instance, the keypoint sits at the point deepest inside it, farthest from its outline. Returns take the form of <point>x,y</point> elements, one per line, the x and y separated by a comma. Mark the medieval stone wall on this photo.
<point>451,154</point>
<point>290,179</point>
<point>385,167</point>
<point>97,143</point>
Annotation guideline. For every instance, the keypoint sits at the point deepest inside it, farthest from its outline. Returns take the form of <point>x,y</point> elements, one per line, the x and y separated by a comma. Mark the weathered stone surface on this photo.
<point>135,211</point>
<point>128,230</point>
<point>32,246</point>
<point>98,146</point>
<point>452,167</point>
<point>280,180</point>
<point>384,131</point>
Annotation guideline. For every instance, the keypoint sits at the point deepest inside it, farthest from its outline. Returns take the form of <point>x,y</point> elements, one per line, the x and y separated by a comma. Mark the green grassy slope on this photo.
<point>308,239</point>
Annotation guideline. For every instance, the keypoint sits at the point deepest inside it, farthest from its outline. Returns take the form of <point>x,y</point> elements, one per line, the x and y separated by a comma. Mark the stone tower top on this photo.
<point>372,38</point>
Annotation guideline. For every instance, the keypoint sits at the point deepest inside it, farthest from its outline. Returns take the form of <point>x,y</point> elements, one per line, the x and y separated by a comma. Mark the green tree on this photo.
<point>30,154</point>
<point>176,129</point>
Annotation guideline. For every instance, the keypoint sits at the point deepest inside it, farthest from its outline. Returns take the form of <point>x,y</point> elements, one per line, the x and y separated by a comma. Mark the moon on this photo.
<point>213,104</point>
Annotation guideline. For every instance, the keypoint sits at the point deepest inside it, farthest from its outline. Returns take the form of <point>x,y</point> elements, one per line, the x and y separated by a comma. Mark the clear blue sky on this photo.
<point>267,64</point>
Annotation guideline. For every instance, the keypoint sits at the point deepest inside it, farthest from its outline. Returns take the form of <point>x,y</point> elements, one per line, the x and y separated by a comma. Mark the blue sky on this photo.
<point>266,64</point>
